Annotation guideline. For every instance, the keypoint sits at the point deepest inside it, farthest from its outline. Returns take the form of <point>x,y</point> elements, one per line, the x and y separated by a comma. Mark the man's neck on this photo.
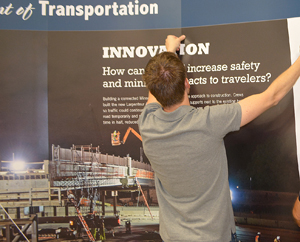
<point>185,102</point>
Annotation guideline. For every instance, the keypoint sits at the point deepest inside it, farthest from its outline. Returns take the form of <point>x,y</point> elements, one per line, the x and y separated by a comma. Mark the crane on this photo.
<point>115,136</point>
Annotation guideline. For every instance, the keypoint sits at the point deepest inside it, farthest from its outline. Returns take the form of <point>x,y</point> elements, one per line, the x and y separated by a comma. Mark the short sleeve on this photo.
<point>149,108</point>
<point>222,119</point>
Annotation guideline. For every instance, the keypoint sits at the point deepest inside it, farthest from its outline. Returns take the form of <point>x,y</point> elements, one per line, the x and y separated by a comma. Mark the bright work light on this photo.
<point>17,165</point>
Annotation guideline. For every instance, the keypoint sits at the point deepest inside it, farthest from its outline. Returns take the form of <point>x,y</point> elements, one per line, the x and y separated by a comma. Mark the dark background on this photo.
<point>23,95</point>
<point>265,149</point>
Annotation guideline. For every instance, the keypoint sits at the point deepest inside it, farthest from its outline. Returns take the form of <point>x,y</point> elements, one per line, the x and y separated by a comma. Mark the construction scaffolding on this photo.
<point>83,166</point>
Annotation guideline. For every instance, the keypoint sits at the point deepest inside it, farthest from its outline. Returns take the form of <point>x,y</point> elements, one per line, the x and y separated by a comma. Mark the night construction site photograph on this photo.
<point>83,195</point>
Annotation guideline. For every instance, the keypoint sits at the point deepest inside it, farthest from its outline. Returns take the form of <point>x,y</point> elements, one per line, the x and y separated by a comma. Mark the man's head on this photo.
<point>165,77</point>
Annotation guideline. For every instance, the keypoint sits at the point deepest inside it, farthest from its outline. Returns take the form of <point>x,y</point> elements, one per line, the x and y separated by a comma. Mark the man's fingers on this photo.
<point>181,38</point>
<point>173,43</point>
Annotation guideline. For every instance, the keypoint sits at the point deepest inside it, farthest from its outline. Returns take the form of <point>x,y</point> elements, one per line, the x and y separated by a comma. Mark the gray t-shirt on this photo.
<point>187,153</point>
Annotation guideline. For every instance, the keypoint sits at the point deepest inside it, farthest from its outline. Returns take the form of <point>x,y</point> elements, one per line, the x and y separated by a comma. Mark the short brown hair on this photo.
<point>165,77</point>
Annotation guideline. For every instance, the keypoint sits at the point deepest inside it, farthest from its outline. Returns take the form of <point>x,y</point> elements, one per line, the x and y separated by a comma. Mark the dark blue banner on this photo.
<point>89,15</point>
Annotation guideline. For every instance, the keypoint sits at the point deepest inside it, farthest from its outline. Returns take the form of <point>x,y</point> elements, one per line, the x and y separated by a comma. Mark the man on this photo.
<point>257,237</point>
<point>71,197</point>
<point>277,239</point>
<point>186,150</point>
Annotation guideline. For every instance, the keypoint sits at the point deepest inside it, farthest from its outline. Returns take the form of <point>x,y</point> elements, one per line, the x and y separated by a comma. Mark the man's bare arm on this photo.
<point>255,105</point>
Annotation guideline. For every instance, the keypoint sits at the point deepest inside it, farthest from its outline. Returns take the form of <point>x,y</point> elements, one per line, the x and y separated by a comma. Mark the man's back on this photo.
<point>186,151</point>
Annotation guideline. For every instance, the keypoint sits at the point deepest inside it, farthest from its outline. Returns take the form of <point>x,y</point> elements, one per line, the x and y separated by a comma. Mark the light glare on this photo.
<point>17,165</point>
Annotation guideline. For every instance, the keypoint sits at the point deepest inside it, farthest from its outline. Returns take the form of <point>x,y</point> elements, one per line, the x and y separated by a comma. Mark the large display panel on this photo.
<point>85,87</point>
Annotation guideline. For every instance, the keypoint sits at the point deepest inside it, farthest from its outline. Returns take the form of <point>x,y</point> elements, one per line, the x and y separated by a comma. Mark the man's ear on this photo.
<point>187,84</point>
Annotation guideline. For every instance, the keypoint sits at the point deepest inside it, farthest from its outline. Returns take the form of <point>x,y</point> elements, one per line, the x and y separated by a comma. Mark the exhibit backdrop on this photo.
<point>71,73</point>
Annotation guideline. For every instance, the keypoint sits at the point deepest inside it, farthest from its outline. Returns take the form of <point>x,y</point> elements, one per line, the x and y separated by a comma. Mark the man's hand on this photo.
<point>173,42</point>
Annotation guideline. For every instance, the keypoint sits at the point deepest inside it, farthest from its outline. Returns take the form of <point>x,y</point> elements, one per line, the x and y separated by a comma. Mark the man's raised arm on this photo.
<point>255,105</point>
